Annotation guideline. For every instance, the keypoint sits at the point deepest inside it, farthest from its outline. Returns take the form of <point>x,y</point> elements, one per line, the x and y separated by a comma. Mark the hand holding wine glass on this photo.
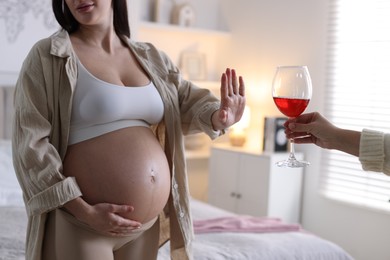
<point>291,91</point>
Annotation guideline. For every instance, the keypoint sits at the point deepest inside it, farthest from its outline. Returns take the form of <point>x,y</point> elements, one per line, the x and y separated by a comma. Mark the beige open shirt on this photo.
<point>43,103</point>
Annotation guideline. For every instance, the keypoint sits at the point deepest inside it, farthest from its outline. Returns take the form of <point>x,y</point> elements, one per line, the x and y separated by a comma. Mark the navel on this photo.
<point>152,176</point>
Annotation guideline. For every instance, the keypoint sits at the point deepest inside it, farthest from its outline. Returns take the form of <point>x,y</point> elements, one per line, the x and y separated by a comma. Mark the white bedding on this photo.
<point>212,246</point>
<point>256,246</point>
<point>10,192</point>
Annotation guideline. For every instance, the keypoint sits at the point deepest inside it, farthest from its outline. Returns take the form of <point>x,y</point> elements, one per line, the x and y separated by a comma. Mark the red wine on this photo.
<point>291,107</point>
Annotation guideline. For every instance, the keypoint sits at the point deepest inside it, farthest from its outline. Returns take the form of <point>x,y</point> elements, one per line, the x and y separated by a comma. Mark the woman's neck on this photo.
<point>94,37</point>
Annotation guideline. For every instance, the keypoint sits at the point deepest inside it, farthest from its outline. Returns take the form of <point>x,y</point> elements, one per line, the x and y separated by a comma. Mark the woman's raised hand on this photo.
<point>232,100</point>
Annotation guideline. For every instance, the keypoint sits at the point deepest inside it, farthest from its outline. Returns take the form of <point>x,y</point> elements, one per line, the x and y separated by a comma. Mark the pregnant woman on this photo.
<point>98,139</point>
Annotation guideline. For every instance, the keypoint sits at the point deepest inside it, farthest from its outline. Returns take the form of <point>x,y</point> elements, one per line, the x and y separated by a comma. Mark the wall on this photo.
<point>206,12</point>
<point>268,33</point>
<point>22,23</point>
<point>174,41</point>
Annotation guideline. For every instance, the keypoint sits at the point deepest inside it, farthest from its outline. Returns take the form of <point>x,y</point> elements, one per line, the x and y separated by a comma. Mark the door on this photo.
<point>223,169</point>
<point>252,185</point>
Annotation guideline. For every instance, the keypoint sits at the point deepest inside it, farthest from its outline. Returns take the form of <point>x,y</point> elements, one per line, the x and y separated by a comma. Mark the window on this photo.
<point>357,95</point>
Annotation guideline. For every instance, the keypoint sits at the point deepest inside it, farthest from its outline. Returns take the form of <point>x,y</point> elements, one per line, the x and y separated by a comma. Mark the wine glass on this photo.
<point>291,91</point>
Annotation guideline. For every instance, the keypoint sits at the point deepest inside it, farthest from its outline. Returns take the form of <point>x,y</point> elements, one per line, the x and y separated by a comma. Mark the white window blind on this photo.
<point>357,95</point>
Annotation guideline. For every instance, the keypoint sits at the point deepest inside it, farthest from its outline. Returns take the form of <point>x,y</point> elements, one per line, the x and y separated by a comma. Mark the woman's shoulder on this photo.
<point>153,53</point>
<point>53,43</point>
<point>39,56</point>
<point>142,46</point>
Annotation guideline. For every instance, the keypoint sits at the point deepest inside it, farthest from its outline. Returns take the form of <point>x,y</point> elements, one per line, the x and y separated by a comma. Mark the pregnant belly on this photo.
<point>126,167</point>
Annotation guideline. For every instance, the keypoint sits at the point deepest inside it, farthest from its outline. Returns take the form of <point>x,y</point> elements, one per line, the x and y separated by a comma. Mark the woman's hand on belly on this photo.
<point>105,218</point>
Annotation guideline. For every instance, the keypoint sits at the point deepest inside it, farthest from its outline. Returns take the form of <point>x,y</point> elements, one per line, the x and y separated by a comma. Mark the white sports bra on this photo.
<point>100,107</point>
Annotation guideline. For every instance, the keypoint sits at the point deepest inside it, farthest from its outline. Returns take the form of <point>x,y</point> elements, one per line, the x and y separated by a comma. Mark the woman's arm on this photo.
<point>37,161</point>
<point>372,147</point>
<point>314,128</point>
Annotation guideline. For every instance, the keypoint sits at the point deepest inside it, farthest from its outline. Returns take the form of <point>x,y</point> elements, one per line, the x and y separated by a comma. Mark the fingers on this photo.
<point>123,231</point>
<point>234,82</point>
<point>112,219</point>
<point>121,226</point>
<point>302,123</point>
<point>308,139</point>
<point>223,116</point>
<point>241,89</point>
<point>295,135</point>
<point>231,78</point>
<point>231,84</point>
<point>304,118</point>
<point>224,86</point>
<point>118,221</point>
<point>121,208</point>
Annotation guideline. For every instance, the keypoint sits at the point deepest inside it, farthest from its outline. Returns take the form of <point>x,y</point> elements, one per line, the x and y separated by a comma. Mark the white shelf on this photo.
<point>152,26</point>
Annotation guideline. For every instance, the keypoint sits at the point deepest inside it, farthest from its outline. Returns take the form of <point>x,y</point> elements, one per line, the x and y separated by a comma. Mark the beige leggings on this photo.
<point>67,238</point>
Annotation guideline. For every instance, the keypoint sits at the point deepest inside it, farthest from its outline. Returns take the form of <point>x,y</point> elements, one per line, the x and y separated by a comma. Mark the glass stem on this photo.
<point>292,149</point>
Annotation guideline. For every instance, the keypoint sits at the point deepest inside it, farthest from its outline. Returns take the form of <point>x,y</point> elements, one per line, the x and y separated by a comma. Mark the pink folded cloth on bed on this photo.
<point>243,223</point>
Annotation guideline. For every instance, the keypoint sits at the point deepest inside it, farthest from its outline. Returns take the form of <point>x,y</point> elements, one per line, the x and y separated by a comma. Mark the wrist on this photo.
<point>78,207</point>
<point>215,121</point>
<point>348,141</point>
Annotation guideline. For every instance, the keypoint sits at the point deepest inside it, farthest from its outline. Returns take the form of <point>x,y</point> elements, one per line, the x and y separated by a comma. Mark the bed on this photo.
<point>222,245</point>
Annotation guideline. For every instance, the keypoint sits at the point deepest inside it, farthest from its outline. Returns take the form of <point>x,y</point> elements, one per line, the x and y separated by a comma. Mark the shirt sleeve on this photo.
<point>197,104</point>
<point>374,152</point>
<point>37,162</point>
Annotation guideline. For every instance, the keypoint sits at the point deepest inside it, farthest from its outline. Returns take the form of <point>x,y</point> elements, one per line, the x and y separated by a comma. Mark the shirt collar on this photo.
<point>60,44</point>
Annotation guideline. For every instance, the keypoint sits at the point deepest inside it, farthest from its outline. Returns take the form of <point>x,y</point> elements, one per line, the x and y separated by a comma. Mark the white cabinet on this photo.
<point>250,183</point>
